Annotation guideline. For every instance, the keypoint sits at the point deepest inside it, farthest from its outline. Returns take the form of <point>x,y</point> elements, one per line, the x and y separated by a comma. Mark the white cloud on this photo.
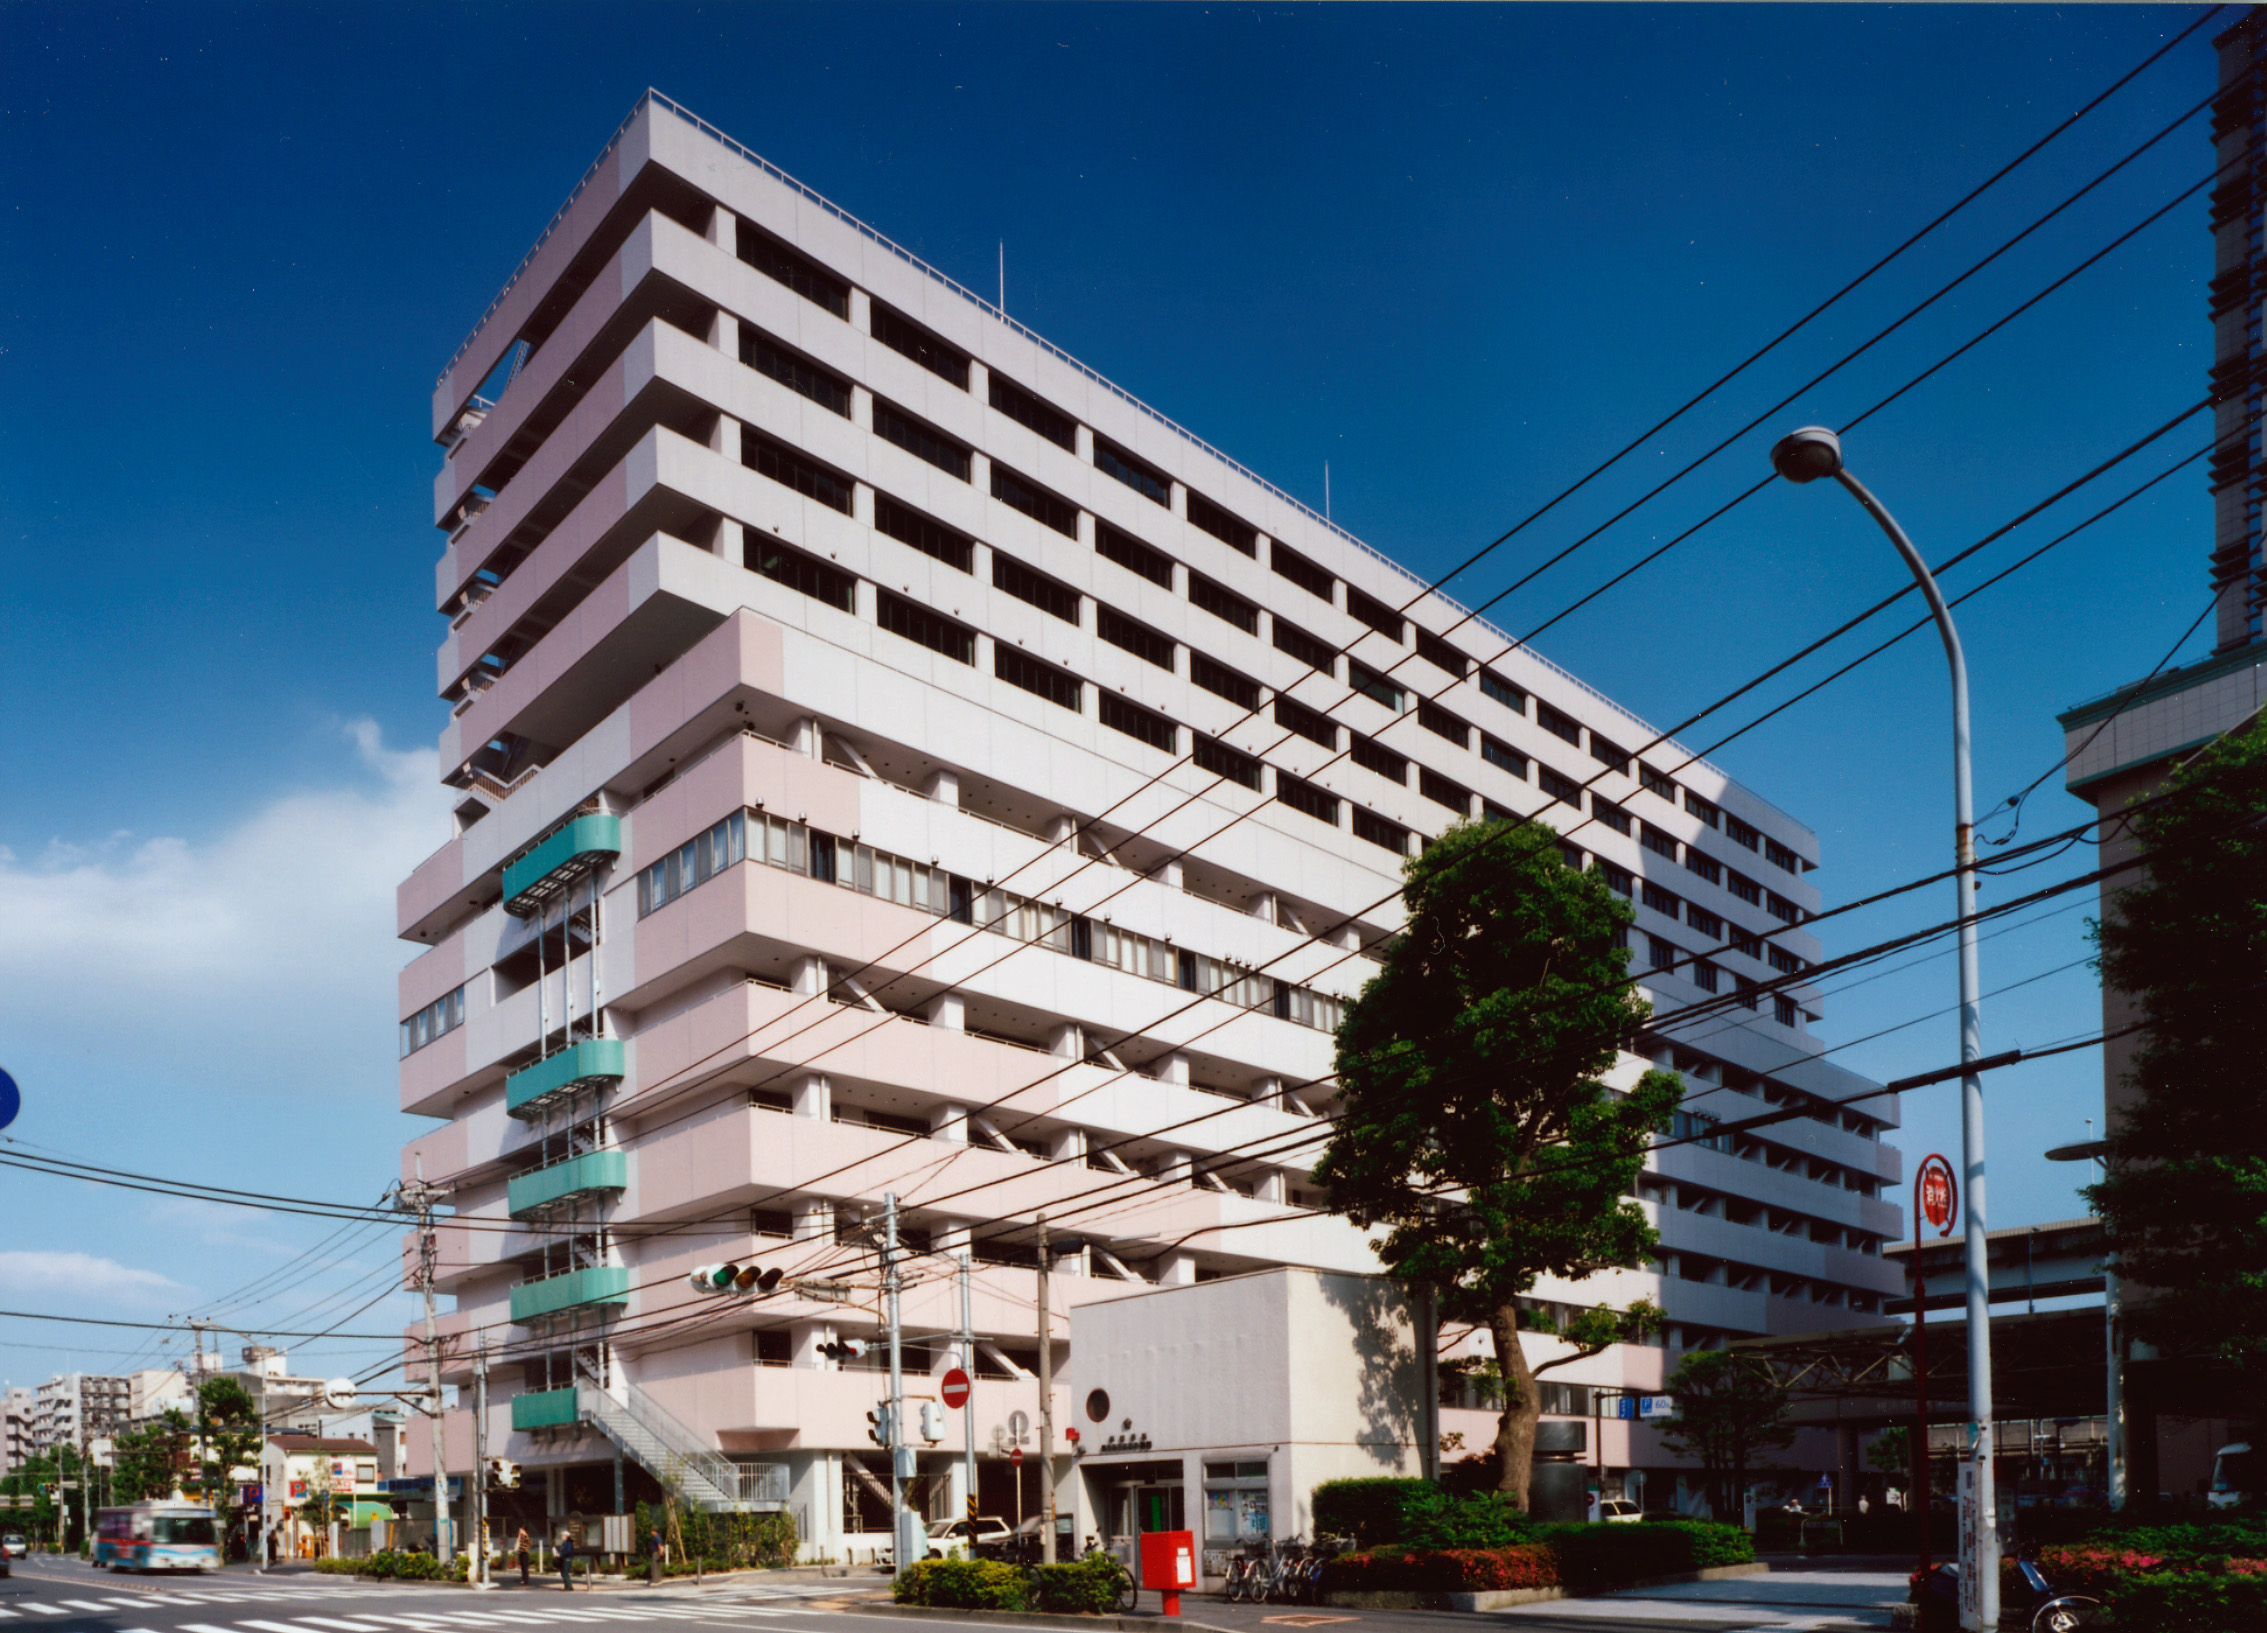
<point>262,959</point>
<point>78,1276</point>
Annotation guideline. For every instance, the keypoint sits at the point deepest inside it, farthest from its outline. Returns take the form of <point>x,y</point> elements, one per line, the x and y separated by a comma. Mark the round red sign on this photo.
<point>1015,1457</point>
<point>953,1386</point>
<point>1939,1195</point>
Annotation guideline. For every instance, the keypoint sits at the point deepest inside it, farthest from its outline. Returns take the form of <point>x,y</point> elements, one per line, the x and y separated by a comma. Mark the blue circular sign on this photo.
<point>11,1099</point>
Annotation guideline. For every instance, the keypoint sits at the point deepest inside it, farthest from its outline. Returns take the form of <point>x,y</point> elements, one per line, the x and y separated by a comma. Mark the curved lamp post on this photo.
<point>1805,456</point>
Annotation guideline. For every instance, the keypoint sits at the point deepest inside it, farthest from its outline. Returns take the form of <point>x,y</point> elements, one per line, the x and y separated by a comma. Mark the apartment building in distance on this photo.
<point>73,1408</point>
<point>892,760</point>
<point>18,1417</point>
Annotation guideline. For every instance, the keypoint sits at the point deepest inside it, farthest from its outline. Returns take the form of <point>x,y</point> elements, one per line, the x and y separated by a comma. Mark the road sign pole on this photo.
<point>968,1360</point>
<point>1934,1186</point>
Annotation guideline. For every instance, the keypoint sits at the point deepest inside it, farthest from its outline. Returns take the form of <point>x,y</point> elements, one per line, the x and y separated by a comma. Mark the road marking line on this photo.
<point>333,1621</point>
<point>126,1604</point>
<point>82,1604</point>
<point>44,1610</point>
<point>203,1627</point>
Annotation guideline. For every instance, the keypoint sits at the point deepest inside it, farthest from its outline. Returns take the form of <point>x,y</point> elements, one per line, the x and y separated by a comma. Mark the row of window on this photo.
<point>438,1018</point>
<point>777,842</point>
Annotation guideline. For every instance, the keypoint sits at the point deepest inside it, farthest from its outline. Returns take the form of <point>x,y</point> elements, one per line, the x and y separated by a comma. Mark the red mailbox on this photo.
<point>1168,1564</point>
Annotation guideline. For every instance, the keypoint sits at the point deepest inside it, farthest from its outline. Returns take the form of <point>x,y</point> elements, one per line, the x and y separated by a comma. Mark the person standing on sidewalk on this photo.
<point>567,1560</point>
<point>654,1555</point>
<point>523,1547</point>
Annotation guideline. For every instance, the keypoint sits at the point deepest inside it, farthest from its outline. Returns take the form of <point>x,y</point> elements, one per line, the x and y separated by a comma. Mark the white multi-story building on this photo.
<point>73,1408</point>
<point>894,760</point>
<point>18,1434</point>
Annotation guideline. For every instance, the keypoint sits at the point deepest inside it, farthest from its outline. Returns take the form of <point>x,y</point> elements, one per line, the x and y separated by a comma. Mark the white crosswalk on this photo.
<point>595,1609</point>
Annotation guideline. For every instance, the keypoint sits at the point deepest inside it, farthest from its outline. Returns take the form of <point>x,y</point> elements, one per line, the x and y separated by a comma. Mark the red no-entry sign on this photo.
<point>1015,1457</point>
<point>954,1388</point>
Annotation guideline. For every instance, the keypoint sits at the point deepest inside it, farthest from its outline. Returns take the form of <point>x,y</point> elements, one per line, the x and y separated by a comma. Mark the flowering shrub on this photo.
<point>1442,1570</point>
<point>1582,1557</point>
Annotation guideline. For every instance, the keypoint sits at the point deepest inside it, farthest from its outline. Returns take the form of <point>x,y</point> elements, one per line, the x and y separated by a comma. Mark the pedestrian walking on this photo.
<point>654,1555</point>
<point>522,1546</point>
<point>567,1560</point>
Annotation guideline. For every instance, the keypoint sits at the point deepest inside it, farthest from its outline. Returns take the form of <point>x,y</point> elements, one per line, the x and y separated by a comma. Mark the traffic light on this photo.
<point>932,1421</point>
<point>503,1474</point>
<point>735,1278</point>
<point>843,1349</point>
<point>881,1425</point>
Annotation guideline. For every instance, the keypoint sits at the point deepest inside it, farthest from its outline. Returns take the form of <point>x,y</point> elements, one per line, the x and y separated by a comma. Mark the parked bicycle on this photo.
<point>1248,1570</point>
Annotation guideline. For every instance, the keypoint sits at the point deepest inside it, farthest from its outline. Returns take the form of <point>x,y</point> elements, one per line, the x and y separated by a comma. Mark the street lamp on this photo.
<point>1805,456</point>
<point>2113,1311</point>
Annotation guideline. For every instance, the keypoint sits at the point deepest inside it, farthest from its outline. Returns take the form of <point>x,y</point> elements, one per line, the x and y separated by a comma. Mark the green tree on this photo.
<point>1729,1408</point>
<point>1475,1127</point>
<point>2185,1200</point>
<point>1892,1453</point>
<point>229,1436</point>
<point>152,1461</point>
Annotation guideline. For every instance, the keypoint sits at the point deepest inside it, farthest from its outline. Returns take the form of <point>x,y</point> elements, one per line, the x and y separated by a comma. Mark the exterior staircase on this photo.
<point>674,1454</point>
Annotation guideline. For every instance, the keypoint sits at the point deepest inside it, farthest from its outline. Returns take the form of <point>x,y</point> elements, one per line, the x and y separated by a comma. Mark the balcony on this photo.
<point>593,1061</point>
<point>568,1181</point>
<point>543,1409</point>
<point>559,861</point>
<point>599,1284</point>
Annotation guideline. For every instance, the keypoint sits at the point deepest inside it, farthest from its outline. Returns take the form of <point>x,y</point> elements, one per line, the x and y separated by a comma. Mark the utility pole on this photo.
<point>905,1535</point>
<point>1046,1410</point>
<point>418,1197</point>
<point>478,1519</point>
<point>968,1360</point>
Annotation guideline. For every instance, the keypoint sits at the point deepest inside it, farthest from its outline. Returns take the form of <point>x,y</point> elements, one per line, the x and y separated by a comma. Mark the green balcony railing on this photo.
<point>559,861</point>
<point>598,1284</point>
<point>543,1409</point>
<point>580,1065</point>
<point>564,1181</point>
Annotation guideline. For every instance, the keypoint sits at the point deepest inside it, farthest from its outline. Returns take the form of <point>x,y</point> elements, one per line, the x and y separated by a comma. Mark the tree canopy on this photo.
<point>1729,1408</point>
<point>1475,1126</point>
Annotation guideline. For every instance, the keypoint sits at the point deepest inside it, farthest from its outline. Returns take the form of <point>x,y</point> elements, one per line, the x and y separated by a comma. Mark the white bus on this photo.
<point>157,1537</point>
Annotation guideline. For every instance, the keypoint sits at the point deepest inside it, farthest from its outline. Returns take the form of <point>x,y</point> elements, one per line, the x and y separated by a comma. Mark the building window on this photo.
<point>1314,653</point>
<point>919,624</point>
<point>1441,791</point>
<point>1136,721</point>
<point>921,441</point>
<point>804,378</point>
<point>1305,797</point>
<point>1374,828</point>
<point>693,863</point>
<point>1441,655</point>
<point>1034,501</point>
<point>438,1018</point>
<point>1609,755</point>
<point>1032,414</point>
<point>1571,855</point>
<point>1703,864</point>
<point>1510,696</point>
<point>1746,991</point>
<point>1223,681</point>
<point>1441,723</point>
<point>1225,605</point>
<point>1707,923</point>
<point>1783,1011</point>
<point>1784,961</point>
<point>1503,756</point>
<point>799,273</point>
<point>1114,544</point>
<point>1748,942</point>
<point>1561,788</point>
<point>934,539</point>
<point>1288,563</point>
<point>1217,757</point>
<point>1698,1127</point>
<point>1204,514</point>
<point>1654,840</point>
<point>1740,885</point>
<point>1741,833</point>
<point>1660,955</point>
<point>1662,901</point>
<point>1056,600</point>
<point>1779,856</point>
<point>790,469</point>
<point>1375,613</point>
<point>1372,755</point>
<point>1039,679</point>
<point>1139,639</point>
<point>903,335</point>
<point>1133,473</point>
<point>1561,726</point>
<point>1612,815</point>
<point>1618,879</point>
<point>1375,686</point>
<point>1308,723</point>
<point>807,574</point>
<point>1785,911</point>
<point>1706,810</point>
<point>1654,783</point>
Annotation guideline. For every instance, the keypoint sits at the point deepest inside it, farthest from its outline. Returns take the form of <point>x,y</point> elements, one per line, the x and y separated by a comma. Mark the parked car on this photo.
<point>13,1546</point>
<point>982,1538</point>
<point>1620,1511</point>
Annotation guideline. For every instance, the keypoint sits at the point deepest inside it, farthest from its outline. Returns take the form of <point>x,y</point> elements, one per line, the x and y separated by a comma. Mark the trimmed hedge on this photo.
<point>1088,1585</point>
<point>1442,1570</point>
<point>1583,1558</point>
<point>960,1584</point>
<point>1376,1513</point>
<point>397,1567</point>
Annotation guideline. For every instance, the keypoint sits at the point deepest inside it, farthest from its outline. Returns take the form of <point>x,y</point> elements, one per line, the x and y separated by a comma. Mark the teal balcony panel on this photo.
<point>580,1065</point>
<point>543,1409</point>
<point>562,1181</point>
<point>599,1284</point>
<point>544,872</point>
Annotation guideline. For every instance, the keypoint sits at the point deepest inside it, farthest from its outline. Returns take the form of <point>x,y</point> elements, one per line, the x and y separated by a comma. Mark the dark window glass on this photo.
<point>909,526</point>
<point>1375,686</point>
<point>1654,840</point>
<point>1571,855</point>
<point>1740,885</point>
<point>1441,723</point>
<point>1136,721</point>
<point>1028,411</point>
<point>1225,605</point>
<point>1139,639</point>
<point>1441,791</point>
<point>1372,755</point>
<point>1222,526</point>
<point>938,634</point>
<point>1741,833</point>
<point>1607,754</point>
<point>1785,911</point>
<point>1369,825</point>
<point>1222,761</point>
<point>1305,797</point>
<point>1654,783</point>
<point>1705,810</point>
<point>1503,756</point>
<point>1490,811</point>
<point>1314,727</point>
<point>1034,501</point>
<point>1663,901</point>
<point>1041,679</point>
<point>790,469</point>
<point>798,272</point>
<point>1042,592</point>
<point>1612,815</point>
<point>1219,679</point>
<point>1310,650</point>
<point>1561,788</point>
<point>902,334</point>
<point>1288,563</point>
<point>1441,655</point>
<point>1704,865</point>
<point>1779,856</point>
<point>1618,879</point>
<point>1134,556</point>
<point>919,440</point>
<point>1705,922</point>
<point>1132,472</point>
<point>1561,726</point>
<point>1375,613</point>
<point>797,374</point>
<point>1510,696</point>
<point>1660,954</point>
<point>815,578</point>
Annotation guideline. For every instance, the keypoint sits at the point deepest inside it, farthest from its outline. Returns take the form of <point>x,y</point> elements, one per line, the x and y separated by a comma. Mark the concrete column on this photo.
<point>862,504</point>
<point>724,334</point>
<point>723,230</point>
<point>864,602</point>
<point>803,1341</point>
<point>814,1221</point>
<point>724,437</point>
<point>814,1097</point>
<point>980,478</point>
<point>1270,1187</point>
<point>1082,438</point>
<point>1067,1042</point>
<point>944,788</point>
<point>1174,1169</point>
<point>807,976</point>
<point>948,1011</point>
<point>1061,827</point>
<point>1068,1146</point>
<point>980,388</point>
<point>861,311</point>
<point>1173,1068</point>
<point>1262,905</point>
<point>1086,529</point>
<point>807,738</point>
<point>1180,498</point>
<point>730,542</point>
<point>861,407</point>
<point>950,1124</point>
<point>1169,875</point>
<point>1176,1270</point>
<point>1269,1092</point>
<point>1845,1469</point>
<point>949,1238</point>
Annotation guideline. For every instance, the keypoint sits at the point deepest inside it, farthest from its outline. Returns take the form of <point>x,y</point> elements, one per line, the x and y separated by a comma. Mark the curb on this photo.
<point>1503,1598</point>
<point>1037,1618</point>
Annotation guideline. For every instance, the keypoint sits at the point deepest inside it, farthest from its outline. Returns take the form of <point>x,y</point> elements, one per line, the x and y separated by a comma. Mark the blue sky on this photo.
<point>1460,253</point>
